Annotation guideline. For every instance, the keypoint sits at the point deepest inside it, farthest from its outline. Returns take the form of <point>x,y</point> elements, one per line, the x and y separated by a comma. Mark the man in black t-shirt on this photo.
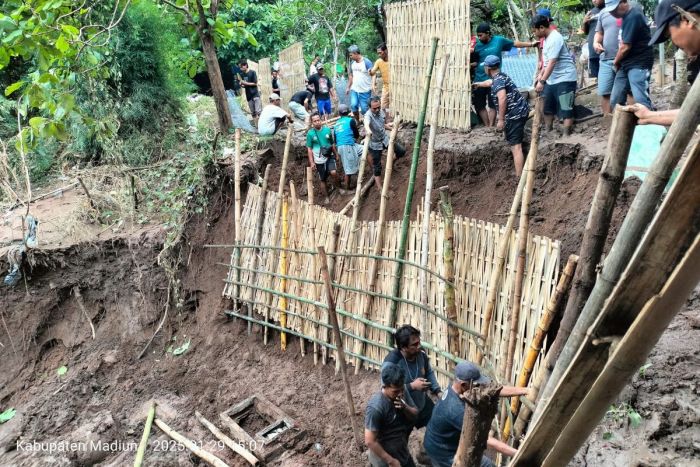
<point>300,105</point>
<point>589,26</point>
<point>323,91</point>
<point>249,81</point>
<point>275,83</point>
<point>634,58</point>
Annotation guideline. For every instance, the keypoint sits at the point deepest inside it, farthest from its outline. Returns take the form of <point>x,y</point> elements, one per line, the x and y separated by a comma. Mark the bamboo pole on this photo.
<point>365,188</point>
<point>481,405</point>
<point>235,447</point>
<point>237,209</point>
<point>629,355</point>
<point>425,228</point>
<point>527,409</point>
<point>259,223</point>
<point>494,285</point>
<point>339,344</point>
<point>448,260</point>
<point>331,268</point>
<point>283,271</point>
<point>609,182</point>
<point>196,450</point>
<point>633,227</point>
<point>523,230</point>
<point>317,290</point>
<point>365,302</point>
<point>411,183</point>
<point>278,211</point>
<point>542,328</point>
<point>659,252</point>
<point>294,217</point>
<point>141,451</point>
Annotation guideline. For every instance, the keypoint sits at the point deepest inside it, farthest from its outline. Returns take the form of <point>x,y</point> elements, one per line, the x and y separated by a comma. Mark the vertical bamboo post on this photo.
<point>633,227</point>
<point>278,211</point>
<point>237,213</point>
<point>339,343</point>
<point>596,232</point>
<point>141,451</point>
<point>365,302</point>
<point>283,271</point>
<point>542,328</point>
<point>448,260</point>
<point>310,185</point>
<point>425,228</point>
<point>409,192</point>
<point>497,271</point>
<point>295,217</point>
<point>331,267</point>
<point>480,407</point>
<point>259,222</point>
<point>317,289</point>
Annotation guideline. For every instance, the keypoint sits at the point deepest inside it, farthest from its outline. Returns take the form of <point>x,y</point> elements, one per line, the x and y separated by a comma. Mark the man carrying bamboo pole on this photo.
<point>445,427</point>
<point>376,126</point>
<point>672,24</point>
<point>419,374</point>
<point>511,109</point>
<point>388,420</point>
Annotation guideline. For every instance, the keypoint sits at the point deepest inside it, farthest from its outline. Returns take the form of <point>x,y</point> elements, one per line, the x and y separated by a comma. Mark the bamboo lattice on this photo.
<point>410,27</point>
<point>264,80</point>
<point>292,71</point>
<point>474,243</point>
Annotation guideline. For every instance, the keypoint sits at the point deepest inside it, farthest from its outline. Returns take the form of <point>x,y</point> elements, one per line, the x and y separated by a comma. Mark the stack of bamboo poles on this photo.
<point>474,248</point>
<point>265,80</point>
<point>292,71</point>
<point>410,27</point>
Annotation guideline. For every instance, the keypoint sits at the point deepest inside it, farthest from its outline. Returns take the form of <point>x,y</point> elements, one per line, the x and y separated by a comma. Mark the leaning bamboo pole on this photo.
<point>278,211</point>
<point>339,344</point>
<point>596,232</point>
<point>629,355</point>
<point>365,302</point>
<point>656,256</point>
<point>332,249</point>
<point>409,191</point>
<point>233,445</point>
<point>542,328</point>
<point>494,284</point>
<point>259,222</point>
<point>449,265</point>
<point>523,231</point>
<point>189,444</point>
<point>430,156</point>
<point>141,451</point>
<point>283,271</point>
<point>633,227</point>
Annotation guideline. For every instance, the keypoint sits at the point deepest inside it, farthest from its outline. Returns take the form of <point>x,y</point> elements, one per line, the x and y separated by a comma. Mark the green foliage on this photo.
<point>620,413</point>
<point>7,415</point>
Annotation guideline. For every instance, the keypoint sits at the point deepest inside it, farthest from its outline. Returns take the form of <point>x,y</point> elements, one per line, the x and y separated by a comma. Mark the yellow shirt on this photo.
<point>383,68</point>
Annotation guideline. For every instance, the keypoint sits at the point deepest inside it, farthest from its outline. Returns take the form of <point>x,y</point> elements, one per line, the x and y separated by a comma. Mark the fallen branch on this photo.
<point>79,299</point>
<point>141,451</point>
<point>196,450</point>
<point>87,193</point>
<point>237,448</point>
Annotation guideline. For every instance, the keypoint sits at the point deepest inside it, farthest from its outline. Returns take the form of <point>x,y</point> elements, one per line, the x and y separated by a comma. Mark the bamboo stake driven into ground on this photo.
<point>283,271</point>
<point>317,289</point>
<point>237,211</point>
<point>396,289</point>
<point>364,301</point>
<point>259,223</point>
<point>339,344</point>
<point>448,261</point>
<point>430,157</point>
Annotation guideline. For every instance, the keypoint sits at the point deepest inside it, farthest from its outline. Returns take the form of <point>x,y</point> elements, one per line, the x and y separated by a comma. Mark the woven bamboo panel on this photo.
<point>292,71</point>
<point>475,245</point>
<point>264,80</point>
<point>410,27</point>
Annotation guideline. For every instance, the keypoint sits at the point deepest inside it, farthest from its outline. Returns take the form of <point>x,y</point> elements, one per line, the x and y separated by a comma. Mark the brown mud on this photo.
<point>105,393</point>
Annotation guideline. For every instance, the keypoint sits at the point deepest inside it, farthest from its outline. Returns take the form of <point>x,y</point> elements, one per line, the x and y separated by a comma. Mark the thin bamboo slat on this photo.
<point>410,26</point>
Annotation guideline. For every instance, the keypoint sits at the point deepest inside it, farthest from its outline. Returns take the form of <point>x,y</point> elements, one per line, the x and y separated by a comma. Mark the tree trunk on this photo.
<point>217,83</point>
<point>682,78</point>
<point>479,410</point>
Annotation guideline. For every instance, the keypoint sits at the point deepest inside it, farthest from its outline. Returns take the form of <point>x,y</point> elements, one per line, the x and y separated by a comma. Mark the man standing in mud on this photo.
<point>388,420</point>
<point>376,126</point>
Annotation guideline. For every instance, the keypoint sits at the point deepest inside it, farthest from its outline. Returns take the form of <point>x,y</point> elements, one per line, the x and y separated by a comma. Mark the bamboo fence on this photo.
<point>292,71</point>
<point>264,80</point>
<point>410,27</point>
<point>474,246</point>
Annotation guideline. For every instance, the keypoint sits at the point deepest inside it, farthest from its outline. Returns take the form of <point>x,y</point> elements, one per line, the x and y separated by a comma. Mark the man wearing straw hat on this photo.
<point>388,421</point>
<point>445,427</point>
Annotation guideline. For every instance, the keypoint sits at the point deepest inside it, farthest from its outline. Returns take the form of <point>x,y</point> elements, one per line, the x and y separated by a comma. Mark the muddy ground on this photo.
<point>106,391</point>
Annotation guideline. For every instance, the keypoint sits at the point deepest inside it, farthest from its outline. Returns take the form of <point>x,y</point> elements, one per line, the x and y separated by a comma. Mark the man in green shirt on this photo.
<point>322,153</point>
<point>485,46</point>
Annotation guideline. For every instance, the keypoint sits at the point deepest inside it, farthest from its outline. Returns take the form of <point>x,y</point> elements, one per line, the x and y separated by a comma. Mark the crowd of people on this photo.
<point>411,398</point>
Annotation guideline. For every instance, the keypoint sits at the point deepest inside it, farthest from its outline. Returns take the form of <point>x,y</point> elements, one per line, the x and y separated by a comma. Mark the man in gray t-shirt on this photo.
<point>376,126</point>
<point>606,42</point>
<point>388,421</point>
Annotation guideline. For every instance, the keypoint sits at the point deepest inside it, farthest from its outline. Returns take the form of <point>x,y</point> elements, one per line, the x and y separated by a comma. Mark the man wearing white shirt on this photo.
<point>359,83</point>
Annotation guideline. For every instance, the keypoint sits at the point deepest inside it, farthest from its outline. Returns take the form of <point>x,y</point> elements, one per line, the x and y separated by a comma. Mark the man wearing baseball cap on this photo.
<point>445,427</point>
<point>684,34</point>
<point>323,91</point>
<point>272,117</point>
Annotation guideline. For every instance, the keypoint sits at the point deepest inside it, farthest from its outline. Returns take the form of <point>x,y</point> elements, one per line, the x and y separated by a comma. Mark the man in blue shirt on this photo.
<point>445,427</point>
<point>485,46</point>
<point>346,132</point>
